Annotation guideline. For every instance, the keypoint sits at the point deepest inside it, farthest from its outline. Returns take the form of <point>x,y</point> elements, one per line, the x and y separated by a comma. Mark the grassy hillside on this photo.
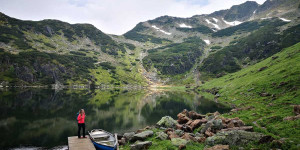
<point>253,48</point>
<point>265,92</point>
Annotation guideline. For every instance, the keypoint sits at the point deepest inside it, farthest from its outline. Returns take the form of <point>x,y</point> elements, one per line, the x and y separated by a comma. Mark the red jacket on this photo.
<point>80,118</point>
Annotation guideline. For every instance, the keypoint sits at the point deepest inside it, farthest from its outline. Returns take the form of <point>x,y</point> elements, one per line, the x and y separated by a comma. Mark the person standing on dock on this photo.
<point>81,123</point>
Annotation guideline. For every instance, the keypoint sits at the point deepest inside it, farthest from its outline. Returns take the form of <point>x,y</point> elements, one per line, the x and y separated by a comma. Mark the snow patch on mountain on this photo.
<point>207,42</point>
<point>233,23</point>
<point>265,18</point>
<point>158,29</point>
<point>215,19</point>
<point>183,25</point>
<point>285,20</point>
<point>254,11</point>
<point>216,26</point>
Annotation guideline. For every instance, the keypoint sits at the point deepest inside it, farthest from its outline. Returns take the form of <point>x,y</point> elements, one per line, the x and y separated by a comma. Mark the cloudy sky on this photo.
<point>111,16</point>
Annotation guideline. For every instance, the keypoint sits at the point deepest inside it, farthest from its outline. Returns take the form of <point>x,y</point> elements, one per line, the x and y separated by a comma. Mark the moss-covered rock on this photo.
<point>237,137</point>
<point>167,122</point>
<point>179,141</point>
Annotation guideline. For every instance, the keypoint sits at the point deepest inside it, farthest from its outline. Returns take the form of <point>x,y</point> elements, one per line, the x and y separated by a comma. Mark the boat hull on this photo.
<point>103,140</point>
<point>102,147</point>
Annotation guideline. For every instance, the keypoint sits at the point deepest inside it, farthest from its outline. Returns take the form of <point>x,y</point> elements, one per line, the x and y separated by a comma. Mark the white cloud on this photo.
<point>111,16</point>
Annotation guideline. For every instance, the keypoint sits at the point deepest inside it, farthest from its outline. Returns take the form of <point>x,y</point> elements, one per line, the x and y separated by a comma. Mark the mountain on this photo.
<point>51,51</point>
<point>169,50</point>
<point>234,38</point>
<point>176,29</point>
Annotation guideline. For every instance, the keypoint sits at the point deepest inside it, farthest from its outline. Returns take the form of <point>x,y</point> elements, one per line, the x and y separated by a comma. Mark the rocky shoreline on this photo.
<point>212,130</point>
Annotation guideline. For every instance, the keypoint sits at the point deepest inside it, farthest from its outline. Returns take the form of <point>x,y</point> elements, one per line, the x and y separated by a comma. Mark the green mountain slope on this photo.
<point>259,45</point>
<point>264,95</point>
<point>51,51</point>
<point>175,58</point>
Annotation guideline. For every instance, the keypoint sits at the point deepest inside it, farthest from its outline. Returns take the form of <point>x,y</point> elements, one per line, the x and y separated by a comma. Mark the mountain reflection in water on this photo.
<point>45,118</point>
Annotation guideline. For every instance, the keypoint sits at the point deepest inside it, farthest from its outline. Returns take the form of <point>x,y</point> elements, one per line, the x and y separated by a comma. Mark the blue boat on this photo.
<point>103,140</point>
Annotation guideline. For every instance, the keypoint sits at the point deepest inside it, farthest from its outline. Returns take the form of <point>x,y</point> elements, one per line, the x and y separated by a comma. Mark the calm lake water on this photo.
<point>45,118</point>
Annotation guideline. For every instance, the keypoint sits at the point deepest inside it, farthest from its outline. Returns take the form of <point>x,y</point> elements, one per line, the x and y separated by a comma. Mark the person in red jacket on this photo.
<point>81,123</point>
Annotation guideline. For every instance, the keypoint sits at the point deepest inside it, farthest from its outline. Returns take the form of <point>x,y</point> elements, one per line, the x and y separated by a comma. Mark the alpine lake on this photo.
<point>44,118</point>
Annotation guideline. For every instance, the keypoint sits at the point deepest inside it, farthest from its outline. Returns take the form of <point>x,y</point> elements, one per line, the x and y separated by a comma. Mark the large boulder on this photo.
<point>178,141</point>
<point>167,122</point>
<point>233,138</point>
<point>142,136</point>
<point>140,145</point>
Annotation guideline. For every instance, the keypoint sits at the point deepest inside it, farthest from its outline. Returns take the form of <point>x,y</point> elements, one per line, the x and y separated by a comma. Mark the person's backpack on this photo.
<point>77,116</point>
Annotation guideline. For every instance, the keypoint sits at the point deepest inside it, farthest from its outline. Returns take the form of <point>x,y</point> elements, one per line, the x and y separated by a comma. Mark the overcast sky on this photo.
<point>111,16</point>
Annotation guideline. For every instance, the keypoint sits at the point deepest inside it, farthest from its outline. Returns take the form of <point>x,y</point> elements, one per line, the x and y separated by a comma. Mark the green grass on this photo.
<point>243,89</point>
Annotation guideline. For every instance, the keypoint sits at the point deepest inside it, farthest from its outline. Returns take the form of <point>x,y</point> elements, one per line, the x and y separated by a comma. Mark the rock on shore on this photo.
<point>210,129</point>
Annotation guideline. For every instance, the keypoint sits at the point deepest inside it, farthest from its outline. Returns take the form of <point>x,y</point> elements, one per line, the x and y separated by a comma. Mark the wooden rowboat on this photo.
<point>103,140</point>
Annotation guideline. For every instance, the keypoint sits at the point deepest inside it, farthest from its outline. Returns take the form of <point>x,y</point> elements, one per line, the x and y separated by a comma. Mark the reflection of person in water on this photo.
<point>81,123</point>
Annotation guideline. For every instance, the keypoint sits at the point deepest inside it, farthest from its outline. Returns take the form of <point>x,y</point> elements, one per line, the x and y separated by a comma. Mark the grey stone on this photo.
<point>217,124</point>
<point>142,136</point>
<point>162,136</point>
<point>233,138</point>
<point>167,122</point>
<point>140,145</point>
<point>178,141</point>
<point>128,136</point>
<point>179,132</point>
<point>206,126</point>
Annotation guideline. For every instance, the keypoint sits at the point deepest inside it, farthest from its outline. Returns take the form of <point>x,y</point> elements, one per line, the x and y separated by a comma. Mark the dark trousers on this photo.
<point>81,125</point>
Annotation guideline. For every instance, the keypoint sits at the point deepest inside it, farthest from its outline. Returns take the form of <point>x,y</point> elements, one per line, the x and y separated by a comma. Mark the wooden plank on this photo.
<point>116,138</point>
<point>80,144</point>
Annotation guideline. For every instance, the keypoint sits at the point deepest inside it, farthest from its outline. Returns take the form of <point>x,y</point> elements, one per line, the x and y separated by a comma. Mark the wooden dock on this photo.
<point>75,143</point>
